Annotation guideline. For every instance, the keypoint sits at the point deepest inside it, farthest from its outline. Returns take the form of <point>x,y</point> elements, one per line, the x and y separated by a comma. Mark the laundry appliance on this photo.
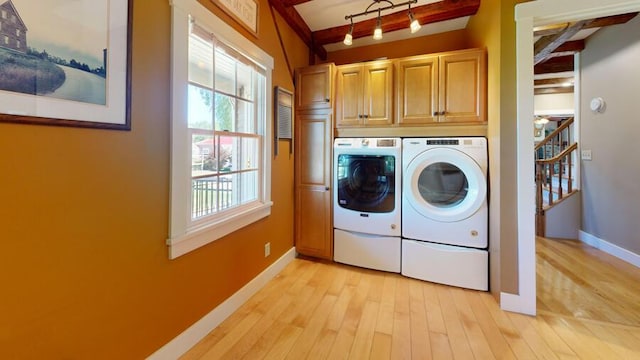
<point>367,202</point>
<point>445,211</point>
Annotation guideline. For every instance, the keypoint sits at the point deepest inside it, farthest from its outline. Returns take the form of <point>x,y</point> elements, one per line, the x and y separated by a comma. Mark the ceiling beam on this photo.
<point>553,81</point>
<point>553,90</point>
<point>291,16</point>
<point>293,2</point>
<point>554,65</point>
<point>596,23</point>
<point>425,14</point>
<point>547,44</point>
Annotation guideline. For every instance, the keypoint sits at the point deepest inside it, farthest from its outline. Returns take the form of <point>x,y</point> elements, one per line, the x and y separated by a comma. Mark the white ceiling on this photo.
<point>324,14</point>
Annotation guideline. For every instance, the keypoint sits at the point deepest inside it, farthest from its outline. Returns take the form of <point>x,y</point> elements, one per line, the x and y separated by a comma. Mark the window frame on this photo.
<point>186,235</point>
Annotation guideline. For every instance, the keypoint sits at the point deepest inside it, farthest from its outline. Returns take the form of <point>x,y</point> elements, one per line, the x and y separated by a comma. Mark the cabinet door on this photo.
<point>463,87</point>
<point>378,93</point>
<point>417,91</point>
<point>349,87</point>
<point>313,226</point>
<point>313,87</point>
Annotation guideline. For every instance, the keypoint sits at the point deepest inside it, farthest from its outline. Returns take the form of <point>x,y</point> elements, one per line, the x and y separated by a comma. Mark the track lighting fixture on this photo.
<point>377,32</point>
<point>348,39</point>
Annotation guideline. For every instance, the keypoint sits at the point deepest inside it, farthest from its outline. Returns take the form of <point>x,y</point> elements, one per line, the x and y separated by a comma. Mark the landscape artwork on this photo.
<point>64,59</point>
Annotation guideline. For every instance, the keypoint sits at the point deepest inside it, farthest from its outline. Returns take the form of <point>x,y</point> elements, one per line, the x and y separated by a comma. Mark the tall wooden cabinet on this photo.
<point>449,88</point>
<point>313,151</point>
<point>364,94</point>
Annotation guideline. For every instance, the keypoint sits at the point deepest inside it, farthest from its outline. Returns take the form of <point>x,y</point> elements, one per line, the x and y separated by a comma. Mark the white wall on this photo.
<point>611,181</point>
<point>553,104</point>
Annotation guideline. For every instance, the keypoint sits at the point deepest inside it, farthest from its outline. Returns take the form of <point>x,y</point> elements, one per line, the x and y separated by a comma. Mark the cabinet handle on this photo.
<point>360,116</point>
<point>366,116</point>
<point>326,188</point>
<point>436,113</point>
<point>326,100</point>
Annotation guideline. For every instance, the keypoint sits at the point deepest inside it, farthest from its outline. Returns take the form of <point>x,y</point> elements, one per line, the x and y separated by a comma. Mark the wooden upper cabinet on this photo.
<point>364,94</point>
<point>462,87</point>
<point>313,87</point>
<point>417,90</point>
<point>449,87</point>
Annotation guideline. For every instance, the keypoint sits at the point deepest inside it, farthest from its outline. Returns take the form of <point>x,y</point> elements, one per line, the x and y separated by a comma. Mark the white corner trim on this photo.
<point>196,332</point>
<point>611,249</point>
<point>517,303</point>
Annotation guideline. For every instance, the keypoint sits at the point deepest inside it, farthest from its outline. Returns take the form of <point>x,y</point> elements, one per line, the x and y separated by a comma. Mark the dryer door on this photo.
<point>444,184</point>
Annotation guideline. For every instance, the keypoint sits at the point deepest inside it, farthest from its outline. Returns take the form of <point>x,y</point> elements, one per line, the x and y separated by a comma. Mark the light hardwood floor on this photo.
<point>322,310</point>
<point>577,280</point>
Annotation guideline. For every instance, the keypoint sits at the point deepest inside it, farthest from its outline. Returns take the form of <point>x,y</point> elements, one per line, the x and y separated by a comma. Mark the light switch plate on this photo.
<point>585,155</point>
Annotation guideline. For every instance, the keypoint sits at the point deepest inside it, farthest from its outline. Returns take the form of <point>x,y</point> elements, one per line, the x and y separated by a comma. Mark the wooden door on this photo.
<point>463,87</point>
<point>377,102</point>
<point>417,90</point>
<point>349,87</point>
<point>313,225</point>
<point>313,87</point>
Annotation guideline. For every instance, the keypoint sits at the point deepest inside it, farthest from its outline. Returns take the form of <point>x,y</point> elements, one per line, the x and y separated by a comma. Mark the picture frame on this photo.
<point>245,12</point>
<point>87,41</point>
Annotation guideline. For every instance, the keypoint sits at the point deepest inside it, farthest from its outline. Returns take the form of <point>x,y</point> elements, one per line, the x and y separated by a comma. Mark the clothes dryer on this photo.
<point>445,211</point>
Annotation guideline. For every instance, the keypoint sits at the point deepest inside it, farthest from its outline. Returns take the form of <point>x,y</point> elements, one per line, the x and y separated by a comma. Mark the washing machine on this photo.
<point>366,210</point>
<point>445,211</point>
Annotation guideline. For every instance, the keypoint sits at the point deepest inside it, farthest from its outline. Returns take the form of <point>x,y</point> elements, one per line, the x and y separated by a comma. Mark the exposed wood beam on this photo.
<point>426,14</point>
<point>296,22</point>
<point>553,81</point>
<point>554,90</point>
<point>597,23</point>
<point>547,44</point>
<point>293,2</point>
<point>554,65</point>
<point>568,48</point>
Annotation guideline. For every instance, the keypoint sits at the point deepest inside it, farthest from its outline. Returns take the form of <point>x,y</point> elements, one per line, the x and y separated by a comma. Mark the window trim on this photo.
<point>182,237</point>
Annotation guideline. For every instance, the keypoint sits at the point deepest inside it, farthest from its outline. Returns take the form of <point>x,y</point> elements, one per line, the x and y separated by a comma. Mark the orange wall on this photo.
<point>84,218</point>
<point>452,40</point>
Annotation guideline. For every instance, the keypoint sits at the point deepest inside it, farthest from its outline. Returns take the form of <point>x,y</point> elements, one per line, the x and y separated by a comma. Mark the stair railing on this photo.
<point>554,164</point>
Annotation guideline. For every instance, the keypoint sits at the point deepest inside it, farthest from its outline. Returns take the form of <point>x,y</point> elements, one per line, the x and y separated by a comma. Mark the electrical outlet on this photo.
<point>585,155</point>
<point>267,249</point>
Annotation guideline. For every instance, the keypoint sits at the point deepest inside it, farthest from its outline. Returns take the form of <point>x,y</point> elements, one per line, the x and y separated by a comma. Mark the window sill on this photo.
<point>193,239</point>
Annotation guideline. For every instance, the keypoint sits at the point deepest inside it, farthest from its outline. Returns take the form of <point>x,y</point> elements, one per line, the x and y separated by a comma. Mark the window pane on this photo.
<point>225,73</point>
<point>250,186</point>
<point>225,112</point>
<point>228,191</point>
<point>230,145</point>
<point>245,83</point>
<point>200,61</point>
<point>204,197</point>
<point>200,108</point>
<point>245,121</point>
<point>250,153</point>
<point>203,160</point>
<point>226,153</point>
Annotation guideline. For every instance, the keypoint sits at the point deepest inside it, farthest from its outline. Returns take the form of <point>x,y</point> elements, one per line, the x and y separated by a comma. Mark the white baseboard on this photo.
<point>611,249</point>
<point>196,332</point>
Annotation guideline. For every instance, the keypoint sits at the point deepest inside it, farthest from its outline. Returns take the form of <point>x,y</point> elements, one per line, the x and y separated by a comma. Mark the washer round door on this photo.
<point>444,185</point>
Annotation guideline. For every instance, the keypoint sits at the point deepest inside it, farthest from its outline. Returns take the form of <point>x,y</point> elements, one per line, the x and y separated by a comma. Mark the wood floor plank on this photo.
<point>401,334</point>
<point>322,347</point>
<point>440,347</point>
<point>498,344</point>
<point>381,346</point>
<point>475,336</point>
<point>433,308</point>
<point>284,343</point>
<point>387,305</point>
<point>311,328</point>
<point>420,345</point>
<point>457,337</point>
<point>363,339</point>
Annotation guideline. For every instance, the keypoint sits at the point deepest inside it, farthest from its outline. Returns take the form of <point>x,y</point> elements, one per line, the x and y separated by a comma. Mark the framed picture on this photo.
<point>244,11</point>
<point>66,62</point>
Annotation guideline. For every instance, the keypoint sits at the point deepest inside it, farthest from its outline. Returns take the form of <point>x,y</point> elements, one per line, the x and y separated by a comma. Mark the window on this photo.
<point>6,40</point>
<point>4,14</point>
<point>17,32</point>
<point>220,151</point>
<point>18,44</point>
